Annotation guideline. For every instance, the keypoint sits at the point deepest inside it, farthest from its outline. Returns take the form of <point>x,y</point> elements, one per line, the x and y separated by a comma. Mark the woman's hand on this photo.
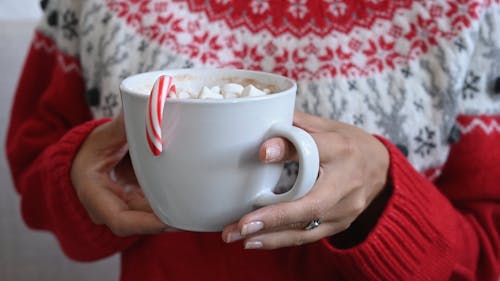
<point>353,171</point>
<point>106,185</point>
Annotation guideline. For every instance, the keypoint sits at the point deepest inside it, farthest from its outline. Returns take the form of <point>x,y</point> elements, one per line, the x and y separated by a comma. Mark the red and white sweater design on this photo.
<point>419,73</point>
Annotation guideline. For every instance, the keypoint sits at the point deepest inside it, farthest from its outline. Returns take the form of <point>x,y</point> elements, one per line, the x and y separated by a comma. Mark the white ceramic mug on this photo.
<point>209,173</point>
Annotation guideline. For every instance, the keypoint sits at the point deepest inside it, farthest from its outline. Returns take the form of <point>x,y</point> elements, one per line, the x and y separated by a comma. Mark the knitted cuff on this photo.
<point>414,226</point>
<point>80,238</point>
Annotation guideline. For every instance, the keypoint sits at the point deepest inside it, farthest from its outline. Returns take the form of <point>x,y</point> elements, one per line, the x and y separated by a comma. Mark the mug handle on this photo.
<point>308,154</point>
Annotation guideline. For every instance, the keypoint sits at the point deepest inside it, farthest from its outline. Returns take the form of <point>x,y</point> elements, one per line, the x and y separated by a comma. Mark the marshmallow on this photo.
<point>231,90</point>
<point>226,91</point>
<point>252,91</point>
<point>206,93</point>
<point>216,89</point>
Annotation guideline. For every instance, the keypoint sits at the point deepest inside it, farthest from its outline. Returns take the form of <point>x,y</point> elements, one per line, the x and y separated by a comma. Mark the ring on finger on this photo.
<point>313,224</point>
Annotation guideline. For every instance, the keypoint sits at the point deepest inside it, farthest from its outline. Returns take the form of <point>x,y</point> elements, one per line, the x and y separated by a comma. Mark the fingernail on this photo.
<point>233,236</point>
<point>251,227</point>
<point>273,153</point>
<point>253,245</point>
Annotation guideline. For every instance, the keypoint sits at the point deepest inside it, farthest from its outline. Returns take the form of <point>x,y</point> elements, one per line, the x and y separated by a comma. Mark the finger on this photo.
<point>231,233</point>
<point>130,222</point>
<point>118,127</point>
<point>105,207</point>
<point>329,145</point>
<point>113,138</point>
<point>340,204</point>
<point>113,132</point>
<point>312,123</point>
<point>134,216</point>
<point>277,150</point>
<point>124,168</point>
<point>118,216</point>
<point>293,237</point>
<point>103,198</point>
<point>109,154</point>
<point>344,213</point>
<point>99,198</point>
<point>320,203</point>
<point>333,146</point>
<point>138,202</point>
<point>340,193</point>
<point>123,187</point>
<point>282,215</point>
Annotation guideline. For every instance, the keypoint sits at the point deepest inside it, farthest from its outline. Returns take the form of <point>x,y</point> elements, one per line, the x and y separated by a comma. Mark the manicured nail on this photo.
<point>251,228</point>
<point>233,236</point>
<point>273,153</point>
<point>253,245</point>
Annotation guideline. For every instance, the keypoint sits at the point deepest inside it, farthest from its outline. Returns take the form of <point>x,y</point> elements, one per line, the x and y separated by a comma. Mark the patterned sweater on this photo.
<point>423,74</point>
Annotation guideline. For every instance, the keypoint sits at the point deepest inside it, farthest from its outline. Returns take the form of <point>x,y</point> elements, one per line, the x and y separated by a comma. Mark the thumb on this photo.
<point>109,141</point>
<point>277,150</point>
<point>116,130</point>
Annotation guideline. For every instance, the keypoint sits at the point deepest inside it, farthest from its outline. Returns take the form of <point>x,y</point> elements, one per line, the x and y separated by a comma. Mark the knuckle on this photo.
<point>315,209</point>
<point>347,145</point>
<point>280,216</point>
<point>348,224</point>
<point>357,179</point>
<point>359,205</point>
<point>297,225</point>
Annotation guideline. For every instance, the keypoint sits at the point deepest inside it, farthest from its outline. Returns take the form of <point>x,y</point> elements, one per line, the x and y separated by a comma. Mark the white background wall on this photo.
<point>19,9</point>
<point>27,255</point>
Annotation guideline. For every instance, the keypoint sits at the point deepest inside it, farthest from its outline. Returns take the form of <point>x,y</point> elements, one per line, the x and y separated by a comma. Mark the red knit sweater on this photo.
<point>448,229</point>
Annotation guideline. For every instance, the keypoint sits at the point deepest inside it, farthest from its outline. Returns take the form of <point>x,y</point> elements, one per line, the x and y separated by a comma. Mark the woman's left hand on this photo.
<point>353,171</point>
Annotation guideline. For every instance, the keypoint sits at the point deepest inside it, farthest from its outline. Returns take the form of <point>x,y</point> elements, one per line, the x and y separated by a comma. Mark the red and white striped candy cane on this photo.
<point>160,92</point>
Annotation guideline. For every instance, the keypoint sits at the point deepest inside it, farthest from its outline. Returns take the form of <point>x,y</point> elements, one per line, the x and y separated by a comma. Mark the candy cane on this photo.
<point>160,92</point>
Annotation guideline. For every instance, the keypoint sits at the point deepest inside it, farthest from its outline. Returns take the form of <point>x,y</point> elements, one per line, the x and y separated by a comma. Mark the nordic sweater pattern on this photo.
<point>419,73</point>
<point>410,57</point>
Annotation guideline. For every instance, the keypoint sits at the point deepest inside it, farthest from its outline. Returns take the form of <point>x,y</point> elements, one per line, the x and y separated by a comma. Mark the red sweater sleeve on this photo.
<point>49,121</point>
<point>447,230</point>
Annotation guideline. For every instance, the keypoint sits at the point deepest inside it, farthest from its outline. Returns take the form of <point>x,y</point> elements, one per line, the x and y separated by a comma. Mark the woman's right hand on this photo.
<point>106,185</point>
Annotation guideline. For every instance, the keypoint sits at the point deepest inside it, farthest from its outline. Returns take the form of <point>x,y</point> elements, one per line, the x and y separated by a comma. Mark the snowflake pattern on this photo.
<point>248,58</point>
<point>69,25</point>
<point>337,8</point>
<point>259,6</point>
<point>132,10</point>
<point>298,8</point>
<point>352,56</point>
<point>471,85</point>
<point>339,65</point>
<point>425,141</point>
<point>110,102</point>
<point>206,48</point>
